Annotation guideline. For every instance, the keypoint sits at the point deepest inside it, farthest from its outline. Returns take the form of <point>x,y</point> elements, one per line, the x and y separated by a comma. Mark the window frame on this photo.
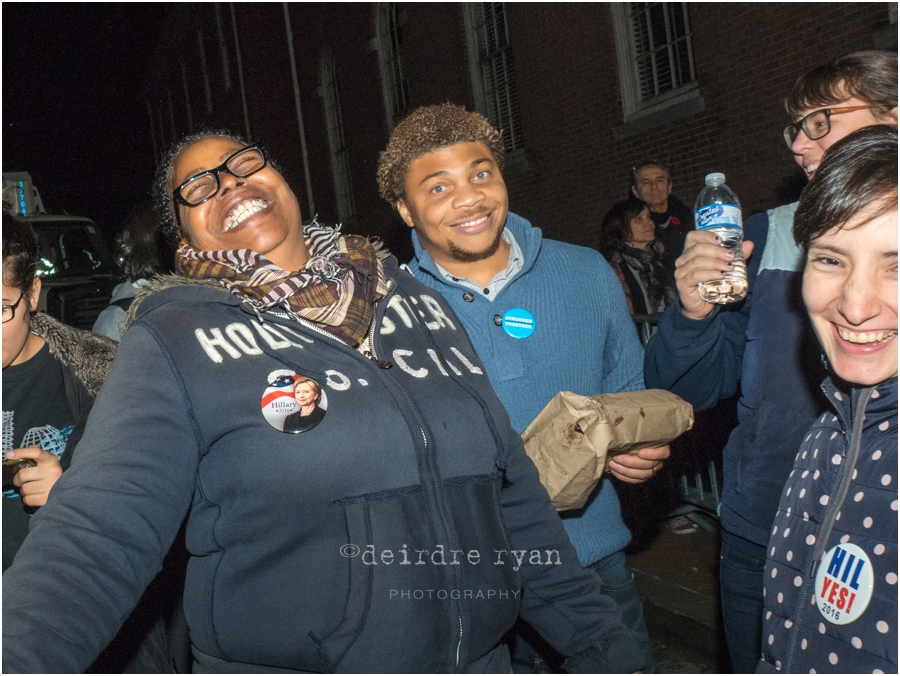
<point>390,17</point>
<point>495,108</point>
<point>633,107</point>
<point>337,146</point>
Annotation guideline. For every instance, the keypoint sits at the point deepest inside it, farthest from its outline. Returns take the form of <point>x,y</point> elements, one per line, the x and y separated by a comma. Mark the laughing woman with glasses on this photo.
<point>374,539</point>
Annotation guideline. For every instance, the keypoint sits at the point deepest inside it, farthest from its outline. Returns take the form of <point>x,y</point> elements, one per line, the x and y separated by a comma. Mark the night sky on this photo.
<point>72,74</point>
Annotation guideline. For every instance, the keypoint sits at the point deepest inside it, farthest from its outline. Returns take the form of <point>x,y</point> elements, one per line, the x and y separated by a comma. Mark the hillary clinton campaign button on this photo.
<point>844,584</point>
<point>293,403</point>
<point>518,323</point>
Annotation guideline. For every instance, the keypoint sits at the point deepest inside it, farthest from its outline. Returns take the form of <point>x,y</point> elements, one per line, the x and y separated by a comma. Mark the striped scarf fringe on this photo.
<point>336,289</point>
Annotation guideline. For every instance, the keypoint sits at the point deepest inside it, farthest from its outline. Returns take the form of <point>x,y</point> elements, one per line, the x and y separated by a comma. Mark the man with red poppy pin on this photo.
<point>651,182</point>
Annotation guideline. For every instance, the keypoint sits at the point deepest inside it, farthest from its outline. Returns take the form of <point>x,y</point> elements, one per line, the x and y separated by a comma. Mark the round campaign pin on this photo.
<point>293,403</point>
<point>518,323</point>
<point>844,584</point>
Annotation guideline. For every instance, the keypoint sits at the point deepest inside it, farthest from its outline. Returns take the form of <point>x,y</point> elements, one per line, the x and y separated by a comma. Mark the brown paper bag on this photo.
<point>572,439</point>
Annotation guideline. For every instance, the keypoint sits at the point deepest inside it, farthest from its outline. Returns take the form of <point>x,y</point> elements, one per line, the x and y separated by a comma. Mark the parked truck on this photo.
<point>76,268</point>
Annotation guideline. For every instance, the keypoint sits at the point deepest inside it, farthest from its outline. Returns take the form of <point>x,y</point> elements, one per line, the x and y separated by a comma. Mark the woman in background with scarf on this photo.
<point>378,540</point>
<point>628,242</point>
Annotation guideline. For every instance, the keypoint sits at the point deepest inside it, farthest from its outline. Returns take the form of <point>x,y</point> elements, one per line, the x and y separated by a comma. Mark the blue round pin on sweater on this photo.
<point>518,323</point>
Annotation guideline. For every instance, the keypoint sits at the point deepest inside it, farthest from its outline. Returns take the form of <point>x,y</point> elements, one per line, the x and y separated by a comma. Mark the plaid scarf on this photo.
<point>336,289</point>
<point>648,265</point>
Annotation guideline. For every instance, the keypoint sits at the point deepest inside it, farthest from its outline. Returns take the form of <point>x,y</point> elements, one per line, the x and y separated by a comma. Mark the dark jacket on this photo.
<point>381,540</point>
<point>836,530</point>
<point>85,358</point>
<point>297,422</point>
<point>672,227</point>
<point>766,344</point>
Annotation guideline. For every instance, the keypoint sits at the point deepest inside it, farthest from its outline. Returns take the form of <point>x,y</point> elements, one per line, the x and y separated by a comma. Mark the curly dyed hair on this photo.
<point>428,129</point>
<point>162,190</point>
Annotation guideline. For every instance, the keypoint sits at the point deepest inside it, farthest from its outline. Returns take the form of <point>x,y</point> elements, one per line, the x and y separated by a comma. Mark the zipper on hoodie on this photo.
<point>429,474</point>
<point>428,467</point>
<point>383,364</point>
<point>834,501</point>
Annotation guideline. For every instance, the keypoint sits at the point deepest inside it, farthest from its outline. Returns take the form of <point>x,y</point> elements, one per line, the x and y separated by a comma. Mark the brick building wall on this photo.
<point>571,104</point>
<point>577,148</point>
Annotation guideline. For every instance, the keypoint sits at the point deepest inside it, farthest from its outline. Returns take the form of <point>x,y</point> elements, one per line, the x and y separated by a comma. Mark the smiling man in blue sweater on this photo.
<point>544,316</point>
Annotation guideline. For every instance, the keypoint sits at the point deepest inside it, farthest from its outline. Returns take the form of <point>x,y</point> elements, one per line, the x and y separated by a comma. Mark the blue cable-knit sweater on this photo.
<point>584,342</point>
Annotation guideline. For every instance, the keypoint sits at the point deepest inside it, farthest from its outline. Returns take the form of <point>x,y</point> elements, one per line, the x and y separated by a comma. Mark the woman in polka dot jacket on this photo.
<point>831,570</point>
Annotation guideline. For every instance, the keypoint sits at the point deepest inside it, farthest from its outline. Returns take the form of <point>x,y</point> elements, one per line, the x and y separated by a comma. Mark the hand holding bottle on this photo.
<point>718,211</point>
<point>703,259</point>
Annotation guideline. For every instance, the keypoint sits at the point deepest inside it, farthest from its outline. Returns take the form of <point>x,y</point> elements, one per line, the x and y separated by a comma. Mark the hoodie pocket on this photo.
<point>393,614</point>
<point>335,645</point>
<point>416,603</point>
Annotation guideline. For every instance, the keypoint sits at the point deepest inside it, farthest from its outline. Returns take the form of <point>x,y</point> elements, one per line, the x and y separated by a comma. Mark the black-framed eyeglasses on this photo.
<point>9,311</point>
<point>203,186</point>
<point>817,124</point>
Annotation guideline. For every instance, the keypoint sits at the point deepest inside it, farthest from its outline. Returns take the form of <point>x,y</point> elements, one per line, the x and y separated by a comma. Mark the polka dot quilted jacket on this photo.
<point>831,574</point>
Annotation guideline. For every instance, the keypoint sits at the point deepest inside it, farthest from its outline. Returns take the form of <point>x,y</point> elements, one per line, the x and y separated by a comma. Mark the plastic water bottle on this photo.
<point>718,210</point>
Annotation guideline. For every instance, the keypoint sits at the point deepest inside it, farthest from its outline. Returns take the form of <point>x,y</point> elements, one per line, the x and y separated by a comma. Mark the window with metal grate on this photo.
<point>390,19</point>
<point>655,54</point>
<point>337,148</point>
<point>493,72</point>
<point>662,42</point>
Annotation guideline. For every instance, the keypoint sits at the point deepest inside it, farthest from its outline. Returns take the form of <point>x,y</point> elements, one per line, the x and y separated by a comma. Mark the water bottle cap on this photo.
<point>715,179</point>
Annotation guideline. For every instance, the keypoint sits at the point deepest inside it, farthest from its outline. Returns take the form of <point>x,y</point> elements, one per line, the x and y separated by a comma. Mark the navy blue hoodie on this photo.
<point>396,535</point>
<point>764,344</point>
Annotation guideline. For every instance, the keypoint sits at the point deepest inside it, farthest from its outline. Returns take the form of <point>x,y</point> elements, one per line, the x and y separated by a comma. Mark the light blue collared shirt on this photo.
<point>501,278</point>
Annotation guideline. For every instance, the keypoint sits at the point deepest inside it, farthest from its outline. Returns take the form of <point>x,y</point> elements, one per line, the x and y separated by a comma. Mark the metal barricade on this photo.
<point>700,486</point>
<point>646,326</point>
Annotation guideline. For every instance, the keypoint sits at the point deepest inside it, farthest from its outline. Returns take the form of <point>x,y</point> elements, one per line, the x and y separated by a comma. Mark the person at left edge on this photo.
<point>51,375</point>
<point>442,171</point>
<point>284,575</point>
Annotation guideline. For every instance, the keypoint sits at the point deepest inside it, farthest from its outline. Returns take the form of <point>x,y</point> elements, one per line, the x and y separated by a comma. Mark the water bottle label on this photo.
<point>718,215</point>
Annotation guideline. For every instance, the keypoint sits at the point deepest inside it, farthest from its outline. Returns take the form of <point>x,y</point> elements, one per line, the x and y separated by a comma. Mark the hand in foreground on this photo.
<point>34,483</point>
<point>703,260</point>
<point>637,468</point>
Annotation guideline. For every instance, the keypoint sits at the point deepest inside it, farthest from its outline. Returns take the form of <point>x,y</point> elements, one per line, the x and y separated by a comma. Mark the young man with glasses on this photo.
<point>702,351</point>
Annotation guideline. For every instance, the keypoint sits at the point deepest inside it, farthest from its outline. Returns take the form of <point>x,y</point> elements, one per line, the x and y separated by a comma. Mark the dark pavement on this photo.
<point>677,577</point>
